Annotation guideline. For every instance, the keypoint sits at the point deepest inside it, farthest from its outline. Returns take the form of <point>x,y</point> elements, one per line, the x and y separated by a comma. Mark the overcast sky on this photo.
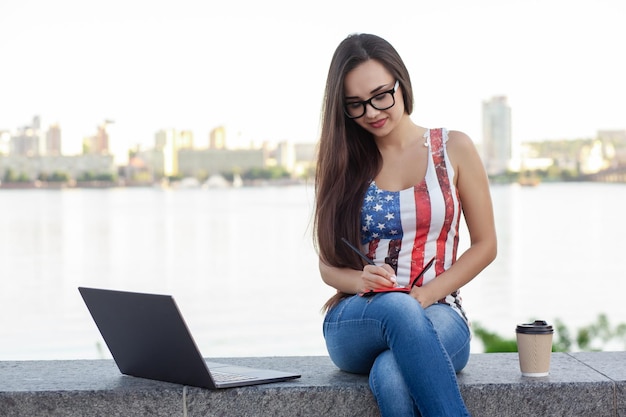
<point>259,67</point>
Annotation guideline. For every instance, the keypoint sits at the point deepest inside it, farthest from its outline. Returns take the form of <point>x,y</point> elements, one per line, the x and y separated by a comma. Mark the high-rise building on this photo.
<point>286,155</point>
<point>164,142</point>
<point>184,139</point>
<point>107,141</point>
<point>497,143</point>
<point>27,140</point>
<point>5,141</point>
<point>169,142</point>
<point>217,138</point>
<point>118,144</point>
<point>98,143</point>
<point>53,140</point>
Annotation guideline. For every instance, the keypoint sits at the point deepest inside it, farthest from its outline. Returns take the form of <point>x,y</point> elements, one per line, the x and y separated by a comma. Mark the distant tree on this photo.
<point>86,176</point>
<point>58,176</point>
<point>92,176</point>
<point>270,173</point>
<point>228,175</point>
<point>492,342</point>
<point>9,176</point>
<point>105,176</point>
<point>593,337</point>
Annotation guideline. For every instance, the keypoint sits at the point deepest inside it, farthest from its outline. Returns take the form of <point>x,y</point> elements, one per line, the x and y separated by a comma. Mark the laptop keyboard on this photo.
<point>222,377</point>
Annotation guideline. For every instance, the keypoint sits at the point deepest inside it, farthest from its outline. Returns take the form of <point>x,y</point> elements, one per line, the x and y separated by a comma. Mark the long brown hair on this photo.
<point>348,158</point>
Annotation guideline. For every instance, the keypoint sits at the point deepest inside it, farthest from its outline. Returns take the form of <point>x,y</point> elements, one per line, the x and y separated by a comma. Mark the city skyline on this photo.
<point>260,68</point>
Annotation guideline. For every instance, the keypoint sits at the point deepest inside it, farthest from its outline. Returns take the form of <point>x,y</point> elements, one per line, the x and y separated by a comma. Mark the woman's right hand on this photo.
<point>354,281</point>
<point>374,277</point>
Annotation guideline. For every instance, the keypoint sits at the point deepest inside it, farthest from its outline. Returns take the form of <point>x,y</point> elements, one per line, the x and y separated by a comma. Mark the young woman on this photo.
<point>396,191</point>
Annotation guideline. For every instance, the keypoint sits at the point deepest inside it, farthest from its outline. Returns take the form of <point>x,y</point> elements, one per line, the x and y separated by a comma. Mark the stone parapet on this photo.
<point>580,384</point>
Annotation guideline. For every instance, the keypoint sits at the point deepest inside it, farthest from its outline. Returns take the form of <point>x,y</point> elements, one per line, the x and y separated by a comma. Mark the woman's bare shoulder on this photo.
<point>460,145</point>
<point>457,138</point>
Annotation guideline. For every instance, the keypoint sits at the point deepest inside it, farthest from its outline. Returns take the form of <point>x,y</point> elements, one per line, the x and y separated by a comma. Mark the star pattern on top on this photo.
<point>380,215</point>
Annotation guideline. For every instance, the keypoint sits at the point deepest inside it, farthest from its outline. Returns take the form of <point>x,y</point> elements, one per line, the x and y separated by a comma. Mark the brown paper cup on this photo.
<point>534,345</point>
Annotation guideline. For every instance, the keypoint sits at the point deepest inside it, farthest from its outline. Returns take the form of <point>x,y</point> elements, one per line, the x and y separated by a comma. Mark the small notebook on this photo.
<point>401,289</point>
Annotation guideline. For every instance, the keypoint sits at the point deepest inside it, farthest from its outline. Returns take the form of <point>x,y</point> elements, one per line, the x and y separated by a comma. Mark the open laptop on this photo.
<point>148,338</point>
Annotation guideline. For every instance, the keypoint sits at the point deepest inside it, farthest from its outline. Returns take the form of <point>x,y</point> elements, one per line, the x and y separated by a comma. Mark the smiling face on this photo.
<point>365,82</point>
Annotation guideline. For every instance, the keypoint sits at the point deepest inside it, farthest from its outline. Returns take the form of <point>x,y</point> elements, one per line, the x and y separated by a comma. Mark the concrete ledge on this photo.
<point>580,384</point>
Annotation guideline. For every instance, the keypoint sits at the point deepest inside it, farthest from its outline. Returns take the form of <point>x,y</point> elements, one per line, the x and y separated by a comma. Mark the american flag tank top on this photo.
<point>406,228</point>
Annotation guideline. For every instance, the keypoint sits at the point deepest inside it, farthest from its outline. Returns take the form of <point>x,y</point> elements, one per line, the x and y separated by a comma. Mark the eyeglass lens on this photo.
<point>381,101</point>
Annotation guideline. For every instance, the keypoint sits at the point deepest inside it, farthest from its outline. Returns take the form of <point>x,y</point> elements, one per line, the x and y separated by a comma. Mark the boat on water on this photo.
<point>218,181</point>
<point>237,181</point>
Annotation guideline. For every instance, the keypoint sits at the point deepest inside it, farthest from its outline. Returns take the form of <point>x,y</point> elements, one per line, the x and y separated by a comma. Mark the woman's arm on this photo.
<point>353,281</point>
<point>473,186</point>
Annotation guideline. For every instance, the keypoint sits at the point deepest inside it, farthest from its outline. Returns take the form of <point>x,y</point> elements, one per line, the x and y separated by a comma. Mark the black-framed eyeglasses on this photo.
<point>381,101</point>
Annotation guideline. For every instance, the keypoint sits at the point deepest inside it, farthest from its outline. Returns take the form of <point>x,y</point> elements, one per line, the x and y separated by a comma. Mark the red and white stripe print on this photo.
<point>427,215</point>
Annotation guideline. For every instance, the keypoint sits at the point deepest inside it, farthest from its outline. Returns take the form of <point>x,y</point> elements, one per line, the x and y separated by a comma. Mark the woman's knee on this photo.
<point>453,332</point>
<point>396,305</point>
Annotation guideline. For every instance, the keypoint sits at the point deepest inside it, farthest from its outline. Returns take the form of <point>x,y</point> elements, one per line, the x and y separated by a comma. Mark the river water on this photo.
<point>243,271</point>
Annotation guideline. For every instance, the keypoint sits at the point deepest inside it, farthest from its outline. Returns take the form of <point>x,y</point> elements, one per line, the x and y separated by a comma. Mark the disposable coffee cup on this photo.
<point>534,346</point>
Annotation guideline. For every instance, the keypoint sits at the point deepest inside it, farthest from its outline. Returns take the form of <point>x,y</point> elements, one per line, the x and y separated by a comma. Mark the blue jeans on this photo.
<point>411,354</point>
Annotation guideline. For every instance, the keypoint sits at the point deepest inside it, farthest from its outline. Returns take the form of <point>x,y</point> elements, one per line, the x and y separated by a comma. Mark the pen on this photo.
<point>426,268</point>
<point>357,251</point>
<point>369,261</point>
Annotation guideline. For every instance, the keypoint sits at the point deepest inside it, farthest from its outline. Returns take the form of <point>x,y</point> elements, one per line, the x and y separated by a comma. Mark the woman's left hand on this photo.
<point>423,296</point>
